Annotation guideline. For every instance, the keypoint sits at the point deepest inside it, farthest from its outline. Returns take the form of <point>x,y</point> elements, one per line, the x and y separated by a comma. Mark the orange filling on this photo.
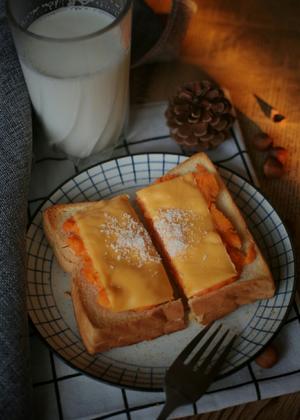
<point>227,232</point>
<point>76,244</point>
<point>208,184</point>
<point>209,187</point>
<point>164,178</point>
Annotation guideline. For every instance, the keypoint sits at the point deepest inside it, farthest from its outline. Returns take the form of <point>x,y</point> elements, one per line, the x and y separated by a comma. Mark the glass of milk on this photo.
<point>75,59</point>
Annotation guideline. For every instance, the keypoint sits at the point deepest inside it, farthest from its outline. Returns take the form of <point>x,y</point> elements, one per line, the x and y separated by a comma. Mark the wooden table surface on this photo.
<point>250,47</point>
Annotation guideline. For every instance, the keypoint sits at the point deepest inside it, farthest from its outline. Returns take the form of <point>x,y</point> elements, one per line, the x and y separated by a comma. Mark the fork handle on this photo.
<point>166,410</point>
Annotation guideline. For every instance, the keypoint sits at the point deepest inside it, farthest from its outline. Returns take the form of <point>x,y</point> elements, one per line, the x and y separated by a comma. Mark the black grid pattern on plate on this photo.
<point>264,312</point>
<point>127,408</point>
<point>108,180</point>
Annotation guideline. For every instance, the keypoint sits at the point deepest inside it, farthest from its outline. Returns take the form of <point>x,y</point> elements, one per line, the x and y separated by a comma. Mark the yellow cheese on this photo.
<point>185,227</point>
<point>122,253</point>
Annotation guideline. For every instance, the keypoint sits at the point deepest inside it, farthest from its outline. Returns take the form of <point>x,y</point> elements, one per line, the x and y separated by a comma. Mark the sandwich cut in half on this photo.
<point>204,240</point>
<point>120,291</point>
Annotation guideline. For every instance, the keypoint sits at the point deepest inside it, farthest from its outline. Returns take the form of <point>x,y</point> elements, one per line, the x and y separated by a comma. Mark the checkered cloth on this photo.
<point>61,392</point>
<point>15,160</point>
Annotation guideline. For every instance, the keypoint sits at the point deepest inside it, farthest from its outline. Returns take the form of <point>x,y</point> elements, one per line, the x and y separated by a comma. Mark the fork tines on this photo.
<point>186,356</point>
<point>194,369</point>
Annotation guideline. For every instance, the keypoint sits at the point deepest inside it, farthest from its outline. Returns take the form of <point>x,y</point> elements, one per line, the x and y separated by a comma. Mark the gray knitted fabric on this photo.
<point>15,159</point>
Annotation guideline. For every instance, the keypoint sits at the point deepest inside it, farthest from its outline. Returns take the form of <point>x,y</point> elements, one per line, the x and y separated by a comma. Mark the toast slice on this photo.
<point>250,282</point>
<point>102,329</point>
<point>129,299</point>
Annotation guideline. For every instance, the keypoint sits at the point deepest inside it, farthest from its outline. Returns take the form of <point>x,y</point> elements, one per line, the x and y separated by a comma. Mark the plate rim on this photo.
<point>156,389</point>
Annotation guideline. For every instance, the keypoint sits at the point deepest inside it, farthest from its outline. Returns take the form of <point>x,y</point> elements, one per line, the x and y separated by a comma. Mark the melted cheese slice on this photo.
<point>185,227</point>
<point>122,253</point>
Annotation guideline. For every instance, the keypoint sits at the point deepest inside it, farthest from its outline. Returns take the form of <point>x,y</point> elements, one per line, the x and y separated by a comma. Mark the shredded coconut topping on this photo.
<point>128,239</point>
<point>176,227</point>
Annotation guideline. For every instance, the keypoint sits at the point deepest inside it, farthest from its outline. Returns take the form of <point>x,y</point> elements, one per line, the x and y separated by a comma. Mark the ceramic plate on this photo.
<point>142,366</point>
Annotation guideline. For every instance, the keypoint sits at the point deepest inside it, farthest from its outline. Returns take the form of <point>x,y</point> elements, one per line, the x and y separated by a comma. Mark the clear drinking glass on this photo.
<point>75,59</point>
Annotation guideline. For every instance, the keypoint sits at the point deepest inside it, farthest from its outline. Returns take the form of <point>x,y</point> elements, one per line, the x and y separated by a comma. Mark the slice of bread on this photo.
<point>101,328</point>
<point>255,282</point>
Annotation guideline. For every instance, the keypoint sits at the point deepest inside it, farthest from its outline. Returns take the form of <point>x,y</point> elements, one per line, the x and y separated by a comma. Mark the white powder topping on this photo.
<point>176,228</point>
<point>128,239</point>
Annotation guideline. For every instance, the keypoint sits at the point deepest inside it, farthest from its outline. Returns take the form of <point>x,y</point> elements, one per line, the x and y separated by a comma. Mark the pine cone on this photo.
<point>199,116</point>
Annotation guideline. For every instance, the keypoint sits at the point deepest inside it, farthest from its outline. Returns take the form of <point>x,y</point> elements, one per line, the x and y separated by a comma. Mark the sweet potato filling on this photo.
<point>227,232</point>
<point>77,245</point>
<point>164,178</point>
<point>208,184</point>
<point>209,187</point>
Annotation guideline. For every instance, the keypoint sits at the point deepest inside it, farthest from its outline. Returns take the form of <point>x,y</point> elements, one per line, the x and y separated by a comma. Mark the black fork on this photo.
<point>187,380</point>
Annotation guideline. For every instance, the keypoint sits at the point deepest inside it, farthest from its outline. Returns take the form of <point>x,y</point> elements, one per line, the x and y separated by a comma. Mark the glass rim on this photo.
<point>91,35</point>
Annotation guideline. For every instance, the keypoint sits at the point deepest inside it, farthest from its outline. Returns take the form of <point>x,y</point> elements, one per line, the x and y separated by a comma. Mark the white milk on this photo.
<point>79,90</point>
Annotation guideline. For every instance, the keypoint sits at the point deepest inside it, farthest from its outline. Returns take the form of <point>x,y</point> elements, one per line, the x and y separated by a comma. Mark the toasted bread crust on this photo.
<point>256,281</point>
<point>216,304</point>
<point>102,329</point>
<point>53,220</point>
